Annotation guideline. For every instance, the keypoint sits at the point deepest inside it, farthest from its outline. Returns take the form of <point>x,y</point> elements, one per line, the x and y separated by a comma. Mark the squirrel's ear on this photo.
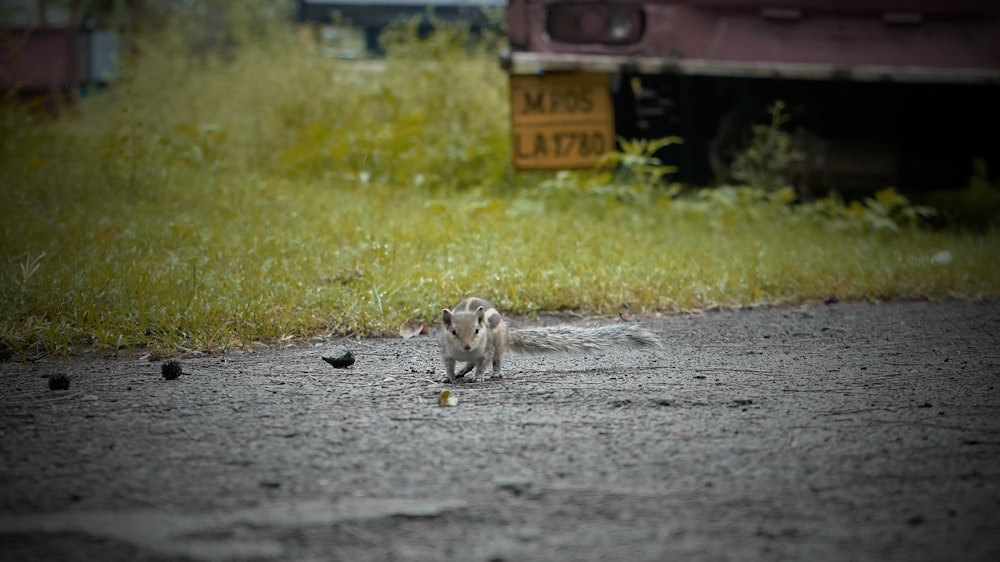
<point>446,317</point>
<point>480,315</point>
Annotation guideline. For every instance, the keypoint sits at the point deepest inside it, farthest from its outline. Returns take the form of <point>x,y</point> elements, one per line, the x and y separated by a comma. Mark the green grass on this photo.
<point>207,205</point>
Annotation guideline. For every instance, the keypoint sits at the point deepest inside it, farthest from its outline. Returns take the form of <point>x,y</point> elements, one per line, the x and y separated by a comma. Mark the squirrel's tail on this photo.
<point>574,339</point>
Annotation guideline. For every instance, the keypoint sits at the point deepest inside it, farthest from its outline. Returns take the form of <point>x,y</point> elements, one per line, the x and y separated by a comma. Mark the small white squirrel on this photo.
<point>475,332</point>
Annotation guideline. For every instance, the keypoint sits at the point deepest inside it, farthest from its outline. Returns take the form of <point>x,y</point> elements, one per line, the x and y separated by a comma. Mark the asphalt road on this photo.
<point>826,432</point>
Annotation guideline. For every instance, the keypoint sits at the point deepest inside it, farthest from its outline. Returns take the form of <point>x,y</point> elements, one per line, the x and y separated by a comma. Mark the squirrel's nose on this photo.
<point>468,347</point>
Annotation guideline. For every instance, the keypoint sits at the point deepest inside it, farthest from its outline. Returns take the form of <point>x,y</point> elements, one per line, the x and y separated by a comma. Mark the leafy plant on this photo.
<point>976,207</point>
<point>633,174</point>
<point>770,159</point>
<point>637,163</point>
<point>888,210</point>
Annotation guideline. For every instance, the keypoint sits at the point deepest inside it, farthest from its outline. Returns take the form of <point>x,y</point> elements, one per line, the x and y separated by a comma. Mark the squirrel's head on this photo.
<point>467,329</point>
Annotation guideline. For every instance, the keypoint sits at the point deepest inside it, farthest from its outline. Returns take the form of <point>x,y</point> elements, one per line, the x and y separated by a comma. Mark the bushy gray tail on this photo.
<point>573,339</point>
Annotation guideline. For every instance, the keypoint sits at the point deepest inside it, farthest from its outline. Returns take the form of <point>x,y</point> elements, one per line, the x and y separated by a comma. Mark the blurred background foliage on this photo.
<point>236,185</point>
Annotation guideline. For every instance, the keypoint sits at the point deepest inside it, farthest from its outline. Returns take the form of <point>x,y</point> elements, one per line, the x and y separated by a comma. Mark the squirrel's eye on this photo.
<point>477,330</point>
<point>454,332</point>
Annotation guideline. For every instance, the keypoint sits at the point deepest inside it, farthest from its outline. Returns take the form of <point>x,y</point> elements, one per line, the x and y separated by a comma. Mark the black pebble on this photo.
<point>345,360</point>
<point>58,382</point>
<point>171,369</point>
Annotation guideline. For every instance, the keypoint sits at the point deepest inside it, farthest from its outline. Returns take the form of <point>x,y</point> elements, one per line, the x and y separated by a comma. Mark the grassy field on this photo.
<point>205,204</point>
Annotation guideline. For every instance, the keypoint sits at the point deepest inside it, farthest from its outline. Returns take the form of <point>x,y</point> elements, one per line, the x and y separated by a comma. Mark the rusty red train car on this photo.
<point>881,92</point>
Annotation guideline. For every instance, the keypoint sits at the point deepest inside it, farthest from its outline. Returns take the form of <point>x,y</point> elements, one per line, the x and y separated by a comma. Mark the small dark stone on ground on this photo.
<point>171,369</point>
<point>59,382</point>
<point>341,361</point>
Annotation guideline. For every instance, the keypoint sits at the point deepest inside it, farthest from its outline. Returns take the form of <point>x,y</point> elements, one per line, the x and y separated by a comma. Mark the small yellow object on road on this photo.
<point>446,399</point>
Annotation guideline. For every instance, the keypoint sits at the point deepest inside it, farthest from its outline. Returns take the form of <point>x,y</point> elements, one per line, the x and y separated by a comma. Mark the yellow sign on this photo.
<point>561,121</point>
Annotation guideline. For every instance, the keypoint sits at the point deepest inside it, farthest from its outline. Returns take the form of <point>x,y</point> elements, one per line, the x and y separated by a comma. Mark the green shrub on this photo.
<point>770,159</point>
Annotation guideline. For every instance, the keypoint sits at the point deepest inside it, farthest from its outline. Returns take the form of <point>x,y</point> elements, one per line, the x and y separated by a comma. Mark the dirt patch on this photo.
<point>846,431</point>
